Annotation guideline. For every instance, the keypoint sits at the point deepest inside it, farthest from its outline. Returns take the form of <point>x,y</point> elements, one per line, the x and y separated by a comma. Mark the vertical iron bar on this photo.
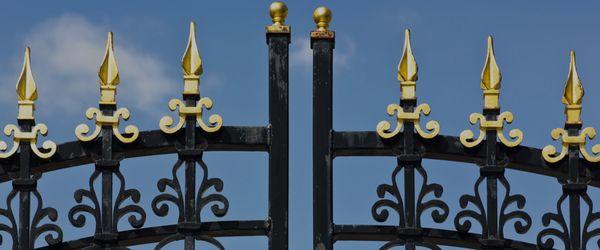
<point>279,139</point>
<point>322,155</point>
<point>190,171</point>
<point>107,175</point>
<point>24,194</point>
<point>409,171</point>
<point>492,179</point>
<point>574,195</point>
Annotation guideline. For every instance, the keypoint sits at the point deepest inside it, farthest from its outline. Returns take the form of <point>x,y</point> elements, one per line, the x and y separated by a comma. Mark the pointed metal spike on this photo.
<point>407,68</point>
<point>191,61</point>
<point>26,89</point>
<point>573,93</point>
<point>109,73</point>
<point>490,76</point>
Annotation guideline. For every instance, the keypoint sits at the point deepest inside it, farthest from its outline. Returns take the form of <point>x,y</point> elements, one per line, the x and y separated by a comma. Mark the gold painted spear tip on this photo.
<point>26,88</point>
<point>109,72</point>
<point>573,93</point>
<point>191,62</point>
<point>407,68</point>
<point>490,76</point>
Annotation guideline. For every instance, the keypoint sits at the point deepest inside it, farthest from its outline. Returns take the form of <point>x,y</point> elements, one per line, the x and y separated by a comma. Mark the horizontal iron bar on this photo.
<point>428,235</point>
<point>153,142</point>
<point>449,148</point>
<point>155,234</point>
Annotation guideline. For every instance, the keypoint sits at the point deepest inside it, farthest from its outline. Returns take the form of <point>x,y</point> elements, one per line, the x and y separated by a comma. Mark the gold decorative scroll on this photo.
<point>572,98</point>
<point>82,131</point>
<point>408,75</point>
<point>467,137</point>
<point>109,79</point>
<point>490,85</point>
<point>26,94</point>
<point>192,69</point>
<point>383,127</point>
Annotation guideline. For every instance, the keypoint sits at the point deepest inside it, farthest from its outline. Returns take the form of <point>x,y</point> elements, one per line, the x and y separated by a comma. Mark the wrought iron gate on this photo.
<point>106,146</point>
<point>188,136</point>
<point>491,150</point>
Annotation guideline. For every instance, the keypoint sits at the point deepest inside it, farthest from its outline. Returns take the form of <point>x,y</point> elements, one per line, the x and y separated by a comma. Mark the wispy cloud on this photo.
<point>301,54</point>
<point>66,54</point>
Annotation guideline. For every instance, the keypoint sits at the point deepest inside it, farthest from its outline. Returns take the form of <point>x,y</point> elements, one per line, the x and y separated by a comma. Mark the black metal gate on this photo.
<point>189,136</point>
<point>491,150</point>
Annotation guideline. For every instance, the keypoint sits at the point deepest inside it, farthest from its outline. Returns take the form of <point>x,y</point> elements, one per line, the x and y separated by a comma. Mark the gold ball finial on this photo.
<point>322,17</point>
<point>278,11</point>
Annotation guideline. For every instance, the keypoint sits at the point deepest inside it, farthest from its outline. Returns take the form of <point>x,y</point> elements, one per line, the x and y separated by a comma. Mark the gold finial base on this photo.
<point>408,90</point>
<point>107,94</point>
<point>490,99</point>
<point>191,85</point>
<point>26,109</point>
<point>326,34</point>
<point>573,113</point>
<point>278,28</point>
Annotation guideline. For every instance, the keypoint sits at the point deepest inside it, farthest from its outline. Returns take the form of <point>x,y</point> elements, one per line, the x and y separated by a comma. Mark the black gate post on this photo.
<point>278,40</point>
<point>322,44</point>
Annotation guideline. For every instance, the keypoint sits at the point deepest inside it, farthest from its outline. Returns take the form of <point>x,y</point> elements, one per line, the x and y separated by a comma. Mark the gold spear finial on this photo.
<point>109,74</point>
<point>573,94</point>
<point>407,70</point>
<point>572,98</point>
<point>191,63</point>
<point>26,89</point>
<point>490,78</point>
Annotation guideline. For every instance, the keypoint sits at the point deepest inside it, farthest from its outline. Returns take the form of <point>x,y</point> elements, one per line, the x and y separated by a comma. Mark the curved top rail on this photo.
<point>444,147</point>
<point>153,142</point>
<point>348,143</point>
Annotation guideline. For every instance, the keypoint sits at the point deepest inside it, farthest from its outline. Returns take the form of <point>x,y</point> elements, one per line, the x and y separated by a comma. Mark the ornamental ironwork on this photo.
<point>409,195</point>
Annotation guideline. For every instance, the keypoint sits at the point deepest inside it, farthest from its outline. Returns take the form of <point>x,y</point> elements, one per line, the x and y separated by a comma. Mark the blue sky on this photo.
<point>532,43</point>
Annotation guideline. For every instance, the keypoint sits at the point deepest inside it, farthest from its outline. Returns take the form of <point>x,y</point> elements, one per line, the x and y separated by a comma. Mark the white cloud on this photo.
<point>301,54</point>
<point>66,54</point>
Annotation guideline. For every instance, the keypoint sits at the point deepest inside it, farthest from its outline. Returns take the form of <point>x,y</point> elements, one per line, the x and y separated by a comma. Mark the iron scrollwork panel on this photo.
<point>463,219</point>
<point>160,204</point>
<point>439,209</point>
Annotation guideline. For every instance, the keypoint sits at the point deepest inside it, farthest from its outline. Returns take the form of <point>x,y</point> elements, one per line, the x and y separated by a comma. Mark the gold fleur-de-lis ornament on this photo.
<point>490,84</point>
<point>408,75</point>
<point>572,98</point>
<point>191,64</point>
<point>27,94</point>
<point>109,79</point>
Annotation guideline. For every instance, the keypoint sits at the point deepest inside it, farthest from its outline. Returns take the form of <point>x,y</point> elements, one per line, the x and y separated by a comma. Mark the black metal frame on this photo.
<point>190,145</point>
<point>575,175</point>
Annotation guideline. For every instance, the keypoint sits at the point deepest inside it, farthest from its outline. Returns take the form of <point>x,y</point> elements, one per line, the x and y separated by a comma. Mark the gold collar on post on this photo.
<point>408,75</point>
<point>109,79</point>
<point>490,84</point>
<point>572,97</point>
<point>27,94</point>
<point>192,69</point>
